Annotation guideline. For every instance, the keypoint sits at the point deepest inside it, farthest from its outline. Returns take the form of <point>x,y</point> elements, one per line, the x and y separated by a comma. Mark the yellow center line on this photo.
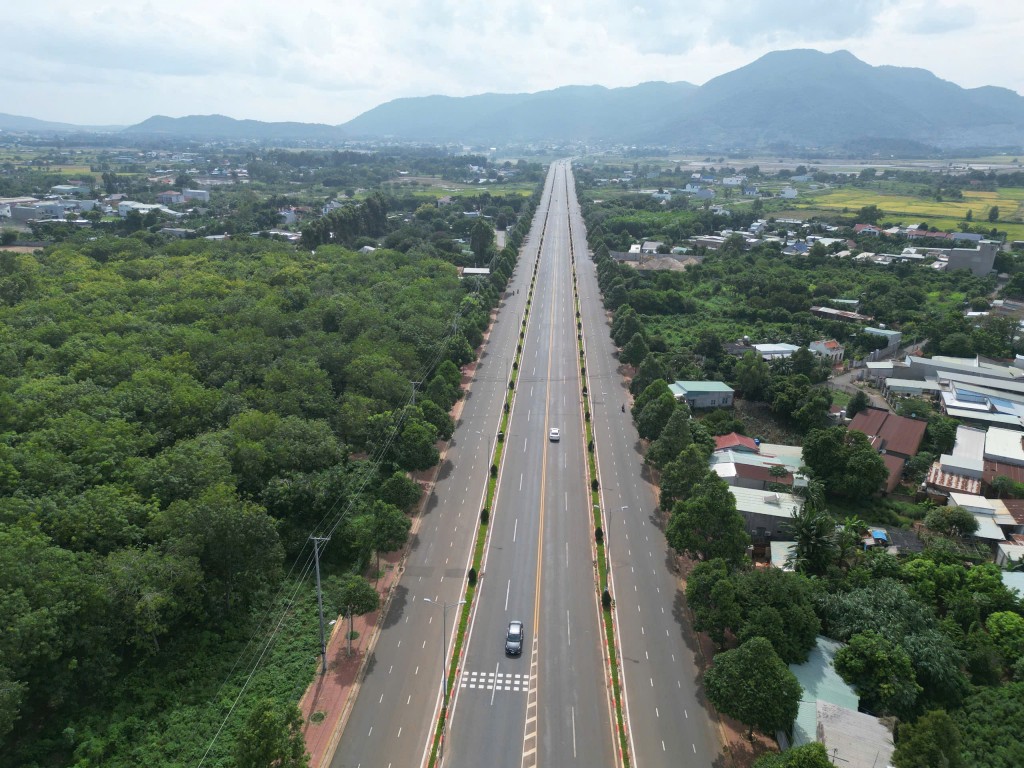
<point>544,459</point>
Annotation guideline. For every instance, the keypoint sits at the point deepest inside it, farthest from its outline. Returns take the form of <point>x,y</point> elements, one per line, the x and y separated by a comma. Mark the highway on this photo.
<point>392,719</point>
<point>551,706</point>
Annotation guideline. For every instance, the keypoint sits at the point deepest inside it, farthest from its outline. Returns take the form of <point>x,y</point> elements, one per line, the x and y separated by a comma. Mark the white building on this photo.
<point>830,349</point>
<point>1005,446</point>
<point>775,351</point>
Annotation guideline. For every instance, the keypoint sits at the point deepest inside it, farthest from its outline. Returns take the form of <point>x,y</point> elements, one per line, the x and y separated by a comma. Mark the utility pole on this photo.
<point>350,630</point>
<point>414,385</point>
<point>317,541</point>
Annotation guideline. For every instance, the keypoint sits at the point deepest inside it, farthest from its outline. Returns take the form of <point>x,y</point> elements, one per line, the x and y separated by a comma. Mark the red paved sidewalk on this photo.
<point>332,695</point>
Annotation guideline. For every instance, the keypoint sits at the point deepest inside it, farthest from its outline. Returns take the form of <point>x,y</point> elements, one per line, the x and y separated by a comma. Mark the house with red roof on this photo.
<point>897,438</point>
<point>893,434</point>
<point>829,349</point>
<point>170,197</point>
<point>736,442</point>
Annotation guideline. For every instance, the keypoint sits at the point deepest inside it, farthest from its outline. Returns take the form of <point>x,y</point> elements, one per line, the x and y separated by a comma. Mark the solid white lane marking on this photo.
<point>574,732</point>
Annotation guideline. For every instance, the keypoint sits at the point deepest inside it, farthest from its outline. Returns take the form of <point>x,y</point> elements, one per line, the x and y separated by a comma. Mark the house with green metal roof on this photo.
<point>828,714</point>
<point>703,394</point>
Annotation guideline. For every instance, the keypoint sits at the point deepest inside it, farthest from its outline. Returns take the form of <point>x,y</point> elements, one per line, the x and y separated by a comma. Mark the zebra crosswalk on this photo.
<point>491,681</point>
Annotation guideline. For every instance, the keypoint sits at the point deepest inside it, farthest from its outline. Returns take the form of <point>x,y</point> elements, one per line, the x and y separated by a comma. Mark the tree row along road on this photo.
<point>551,706</point>
<point>668,722</point>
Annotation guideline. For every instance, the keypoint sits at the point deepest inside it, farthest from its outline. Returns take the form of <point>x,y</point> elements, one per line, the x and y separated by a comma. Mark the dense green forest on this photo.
<point>176,419</point>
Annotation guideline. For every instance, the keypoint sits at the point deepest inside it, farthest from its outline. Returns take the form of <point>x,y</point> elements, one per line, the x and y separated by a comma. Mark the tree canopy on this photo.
<point>752,684</point>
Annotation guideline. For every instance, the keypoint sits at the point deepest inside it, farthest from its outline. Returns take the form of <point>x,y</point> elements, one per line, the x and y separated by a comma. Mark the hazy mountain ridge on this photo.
<point>797,98</point>
<point>18,123</point>
<point>223,127</point>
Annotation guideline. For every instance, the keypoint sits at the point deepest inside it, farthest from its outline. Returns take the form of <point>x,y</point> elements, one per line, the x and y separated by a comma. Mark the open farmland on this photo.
<point>944,214</point>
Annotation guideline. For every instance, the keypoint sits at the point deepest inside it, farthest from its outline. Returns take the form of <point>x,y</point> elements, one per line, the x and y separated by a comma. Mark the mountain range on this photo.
<point>795,98</point>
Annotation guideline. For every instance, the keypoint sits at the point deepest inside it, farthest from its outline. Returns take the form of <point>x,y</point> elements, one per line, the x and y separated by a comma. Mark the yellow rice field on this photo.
<point>907,209</point>
<point>894,205</point>
<point>946,215</point>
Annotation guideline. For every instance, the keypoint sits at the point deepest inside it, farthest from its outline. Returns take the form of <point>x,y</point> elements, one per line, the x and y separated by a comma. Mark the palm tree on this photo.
<point>813,492</point>
<point>814,533</point>
<point>848,537</point>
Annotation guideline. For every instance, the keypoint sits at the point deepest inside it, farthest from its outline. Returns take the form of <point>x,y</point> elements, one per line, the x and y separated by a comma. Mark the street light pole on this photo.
<point>444,646</point>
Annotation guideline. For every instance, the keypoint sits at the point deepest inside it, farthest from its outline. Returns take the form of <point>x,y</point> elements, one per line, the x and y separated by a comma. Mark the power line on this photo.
<point>282,609</point>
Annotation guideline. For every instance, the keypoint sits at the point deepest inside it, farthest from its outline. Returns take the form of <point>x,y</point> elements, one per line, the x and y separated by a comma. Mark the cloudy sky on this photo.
<point>100,62</point>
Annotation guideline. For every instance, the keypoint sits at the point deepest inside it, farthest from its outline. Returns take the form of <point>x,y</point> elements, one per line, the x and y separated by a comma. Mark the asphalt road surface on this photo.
<point>550,706</point>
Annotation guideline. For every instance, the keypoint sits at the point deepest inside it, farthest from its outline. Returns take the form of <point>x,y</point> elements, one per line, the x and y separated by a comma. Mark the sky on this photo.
<point>97,62</point>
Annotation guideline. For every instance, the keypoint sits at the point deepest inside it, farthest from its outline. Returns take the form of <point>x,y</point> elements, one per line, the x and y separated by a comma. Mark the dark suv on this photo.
<point>514,638</point>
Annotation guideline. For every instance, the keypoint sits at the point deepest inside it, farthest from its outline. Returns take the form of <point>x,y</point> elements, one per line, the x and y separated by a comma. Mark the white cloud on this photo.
<point>316,60</point>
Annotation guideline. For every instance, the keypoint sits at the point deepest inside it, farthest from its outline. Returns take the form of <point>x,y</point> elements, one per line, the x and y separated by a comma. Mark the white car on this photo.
<point>554,435</point>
